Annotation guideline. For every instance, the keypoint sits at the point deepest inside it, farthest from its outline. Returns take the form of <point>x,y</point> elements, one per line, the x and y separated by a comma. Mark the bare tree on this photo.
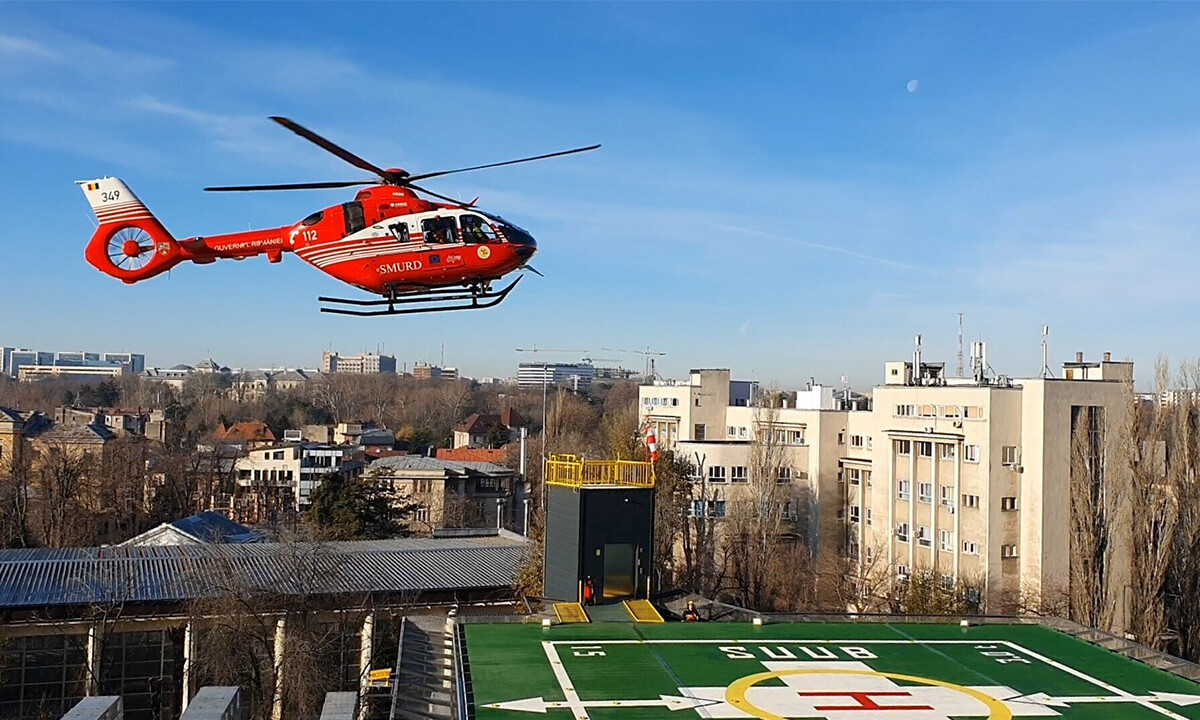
<point>1152,526</point>
<point>757,530</point>
<point>1093,508</point>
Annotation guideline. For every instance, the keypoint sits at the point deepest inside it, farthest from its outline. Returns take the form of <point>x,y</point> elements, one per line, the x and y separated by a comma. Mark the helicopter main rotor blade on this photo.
<point>291,186</point>
<point>459,203</point>
<point>341,152</point>
<point>425,176</point>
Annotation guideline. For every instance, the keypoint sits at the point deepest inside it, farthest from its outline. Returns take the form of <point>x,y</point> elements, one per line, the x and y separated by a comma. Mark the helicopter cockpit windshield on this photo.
<point>476,230</point>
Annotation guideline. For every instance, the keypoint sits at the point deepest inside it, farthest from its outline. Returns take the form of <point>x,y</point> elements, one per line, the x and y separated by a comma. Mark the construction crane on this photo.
<point>535,350</point>
<point>647,353</point>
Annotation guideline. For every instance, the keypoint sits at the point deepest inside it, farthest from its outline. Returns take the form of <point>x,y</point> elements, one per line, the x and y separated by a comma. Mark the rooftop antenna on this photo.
<point>1045,352</point>
<point>960,357</point>
<point>917,362</point>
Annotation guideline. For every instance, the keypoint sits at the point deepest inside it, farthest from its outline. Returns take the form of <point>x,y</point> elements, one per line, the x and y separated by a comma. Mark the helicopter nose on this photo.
<point>526,251</point>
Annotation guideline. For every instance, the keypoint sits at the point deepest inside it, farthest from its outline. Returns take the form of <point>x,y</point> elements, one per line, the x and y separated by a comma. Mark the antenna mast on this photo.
<point>1045,352</point>
<point>960,357</point>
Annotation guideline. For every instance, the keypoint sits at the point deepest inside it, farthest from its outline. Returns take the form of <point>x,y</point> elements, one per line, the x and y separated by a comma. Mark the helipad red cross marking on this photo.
<point>864,701</point>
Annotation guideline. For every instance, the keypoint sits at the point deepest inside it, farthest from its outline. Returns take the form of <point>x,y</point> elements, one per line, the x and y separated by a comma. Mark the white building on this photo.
<point>577,376</point>
<point>967,478</point>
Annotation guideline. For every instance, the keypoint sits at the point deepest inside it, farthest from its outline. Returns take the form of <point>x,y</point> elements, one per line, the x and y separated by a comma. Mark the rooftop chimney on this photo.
<point>1107,357</point>
<point>1079,356</point>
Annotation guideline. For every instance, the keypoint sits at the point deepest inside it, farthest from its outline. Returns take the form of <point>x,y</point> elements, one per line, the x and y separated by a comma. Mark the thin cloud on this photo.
<point>828,248</point>
<point>24,47</point>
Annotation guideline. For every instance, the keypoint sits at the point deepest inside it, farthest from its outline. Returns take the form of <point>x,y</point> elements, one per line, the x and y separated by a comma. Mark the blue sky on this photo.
<point>770,196</point>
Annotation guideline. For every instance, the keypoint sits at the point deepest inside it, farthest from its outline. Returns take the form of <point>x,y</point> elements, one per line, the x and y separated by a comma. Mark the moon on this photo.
<point>913,85</point>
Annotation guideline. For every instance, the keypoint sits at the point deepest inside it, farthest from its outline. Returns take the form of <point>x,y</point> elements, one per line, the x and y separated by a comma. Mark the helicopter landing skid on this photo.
<point>423,301</point>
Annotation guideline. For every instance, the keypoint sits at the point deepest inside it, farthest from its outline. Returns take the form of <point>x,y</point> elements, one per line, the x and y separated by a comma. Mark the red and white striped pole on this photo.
<point>652,443</point>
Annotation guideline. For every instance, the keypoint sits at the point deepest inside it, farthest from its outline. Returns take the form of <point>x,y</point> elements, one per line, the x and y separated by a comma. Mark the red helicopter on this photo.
<point>419,255</point>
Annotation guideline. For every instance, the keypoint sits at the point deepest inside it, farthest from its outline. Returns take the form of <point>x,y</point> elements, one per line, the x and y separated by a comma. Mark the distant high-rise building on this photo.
<point>425,371</point>
<point>577,376</point>
<point>133,362</point>
<point>14,359</point>
<point>20,357</point>
<point>363,364</point>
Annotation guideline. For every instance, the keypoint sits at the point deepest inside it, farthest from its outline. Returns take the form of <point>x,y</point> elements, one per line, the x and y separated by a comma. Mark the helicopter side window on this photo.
<point>439,230</point>
<point>313,219</point>
<point>477,230</point>
<point>399,230</point>
<point>354,217</point>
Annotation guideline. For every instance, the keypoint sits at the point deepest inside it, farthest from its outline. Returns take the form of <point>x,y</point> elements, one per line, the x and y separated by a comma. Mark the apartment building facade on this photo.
<point>294,470</point>
<point>969,478</point>
<point>361,364</point>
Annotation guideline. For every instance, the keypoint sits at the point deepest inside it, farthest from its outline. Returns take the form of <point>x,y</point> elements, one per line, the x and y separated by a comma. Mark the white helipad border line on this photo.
<point>577,706</point>
<point>564,682</point>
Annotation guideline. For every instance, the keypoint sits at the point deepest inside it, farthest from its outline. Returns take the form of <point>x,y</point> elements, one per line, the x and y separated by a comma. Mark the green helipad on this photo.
<point>834,671</point>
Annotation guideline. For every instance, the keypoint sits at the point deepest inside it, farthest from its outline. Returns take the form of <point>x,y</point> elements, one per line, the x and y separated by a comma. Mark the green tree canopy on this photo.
<point>357,509</point>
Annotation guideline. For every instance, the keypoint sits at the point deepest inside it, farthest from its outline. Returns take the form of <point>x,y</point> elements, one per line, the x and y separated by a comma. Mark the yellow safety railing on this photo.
<point>571,471</point>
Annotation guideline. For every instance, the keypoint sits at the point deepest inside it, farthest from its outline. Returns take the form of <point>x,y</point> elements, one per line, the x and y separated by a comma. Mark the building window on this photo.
<point>422,514</point>
<point>278,455</point>
<point>902,573</point>
<point>904,489</point>
<point>716,473</point>
<point>902,532</point>
<point>731,431</point>
<point>1009,455</point>
<point>927,411</point>
<point>699,431</point>
<point>868,516</point>
<point>854,516</point>
<point>947,499</point>
<point>925,448</point>
<point>905,410</point>
<point>697,402</point>
<point>784,475</point>
<point>970,547</point>
<point>855,476</point>
<point>716,508</point>
<point>947,540</point>
<point>947,451</point>
<point>973,412</point>
<point>925,492</point>
<point>970,501</point>
<point>1008,551</point>
<point>842,437</point>
<point>737,474</point>
<point>1008,503</point>
<point>951,411</point>
<point>904,447</point>
<point>971,453</point>
<point>857,441</point>
<point>923,537</point>
<point>797,437</point>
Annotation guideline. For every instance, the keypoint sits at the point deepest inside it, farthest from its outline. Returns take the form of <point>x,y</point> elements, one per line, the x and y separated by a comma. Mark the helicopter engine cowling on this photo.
<point>130,244</point>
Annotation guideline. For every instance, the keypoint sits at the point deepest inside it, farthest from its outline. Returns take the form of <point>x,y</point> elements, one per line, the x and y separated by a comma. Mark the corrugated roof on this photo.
<point>420,462</point>
<point>83,576</point>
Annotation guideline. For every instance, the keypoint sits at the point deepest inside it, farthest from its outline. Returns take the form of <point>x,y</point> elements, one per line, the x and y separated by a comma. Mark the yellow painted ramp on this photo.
<point>571,612</point>
<point>643,611</point>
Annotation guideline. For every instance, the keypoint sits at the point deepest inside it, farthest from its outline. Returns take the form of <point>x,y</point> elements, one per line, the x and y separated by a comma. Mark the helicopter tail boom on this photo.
<point>129,244</point>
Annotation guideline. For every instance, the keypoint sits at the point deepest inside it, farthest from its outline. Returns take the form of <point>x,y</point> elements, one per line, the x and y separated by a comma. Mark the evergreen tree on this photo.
<point>357,509</point>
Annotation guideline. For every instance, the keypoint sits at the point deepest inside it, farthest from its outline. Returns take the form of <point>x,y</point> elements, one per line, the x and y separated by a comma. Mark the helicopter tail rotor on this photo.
<point>130,244</point>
